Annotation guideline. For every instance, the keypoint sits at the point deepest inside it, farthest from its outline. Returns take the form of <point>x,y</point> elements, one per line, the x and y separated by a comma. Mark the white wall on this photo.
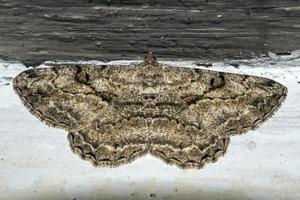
<point>37,163</point>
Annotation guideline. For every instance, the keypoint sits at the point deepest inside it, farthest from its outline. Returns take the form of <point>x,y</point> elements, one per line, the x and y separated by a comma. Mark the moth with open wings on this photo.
<point>116,113</point>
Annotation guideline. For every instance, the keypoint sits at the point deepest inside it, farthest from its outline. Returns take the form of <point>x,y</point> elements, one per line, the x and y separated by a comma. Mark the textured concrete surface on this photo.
<point>33,31</point>
<point>37,163</point>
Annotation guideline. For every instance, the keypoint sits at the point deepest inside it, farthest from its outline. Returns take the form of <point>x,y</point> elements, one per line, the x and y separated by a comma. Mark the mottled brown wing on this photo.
<point>112,144</point>
<point>59,96</point>
<point>78,99</point>
<point>185,145</point>
<point>218,105</point>
<point>231,104</point>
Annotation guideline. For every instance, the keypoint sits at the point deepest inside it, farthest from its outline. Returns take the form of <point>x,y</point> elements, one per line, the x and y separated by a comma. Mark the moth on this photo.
<point>116,113</point>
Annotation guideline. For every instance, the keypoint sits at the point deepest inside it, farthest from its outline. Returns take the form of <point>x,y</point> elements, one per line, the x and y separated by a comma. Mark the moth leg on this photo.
<point>104,154</point>
<point>189,148</point>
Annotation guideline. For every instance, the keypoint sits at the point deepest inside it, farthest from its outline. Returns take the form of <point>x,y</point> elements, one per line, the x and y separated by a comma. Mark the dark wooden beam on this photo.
<point>33,31</point>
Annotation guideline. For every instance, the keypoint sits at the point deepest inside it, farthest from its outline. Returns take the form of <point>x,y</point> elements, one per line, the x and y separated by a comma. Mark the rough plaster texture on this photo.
<point>33,31</point>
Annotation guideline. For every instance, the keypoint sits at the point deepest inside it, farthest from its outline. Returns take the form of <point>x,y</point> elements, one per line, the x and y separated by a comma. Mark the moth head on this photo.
<point>150,58</point>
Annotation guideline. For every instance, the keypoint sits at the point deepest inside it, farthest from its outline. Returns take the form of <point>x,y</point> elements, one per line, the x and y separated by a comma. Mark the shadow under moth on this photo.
<point>116,113</point>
